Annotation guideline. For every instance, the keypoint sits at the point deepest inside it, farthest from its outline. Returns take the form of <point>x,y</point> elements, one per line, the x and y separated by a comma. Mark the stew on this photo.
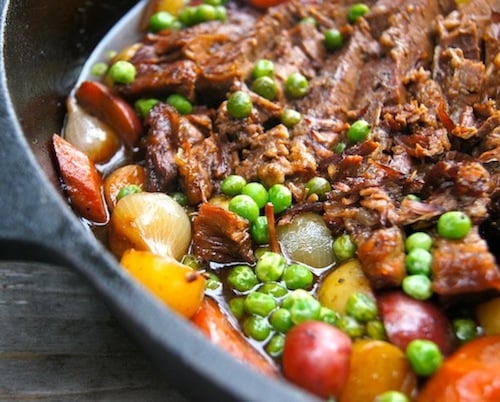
<point>314,184</point>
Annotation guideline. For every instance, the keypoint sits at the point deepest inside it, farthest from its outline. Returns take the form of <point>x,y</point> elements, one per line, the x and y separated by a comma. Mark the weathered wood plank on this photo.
<point>59,342</point>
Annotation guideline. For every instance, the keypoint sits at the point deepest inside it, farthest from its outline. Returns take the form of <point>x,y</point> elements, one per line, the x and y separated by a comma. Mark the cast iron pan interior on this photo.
<point>43,47</point>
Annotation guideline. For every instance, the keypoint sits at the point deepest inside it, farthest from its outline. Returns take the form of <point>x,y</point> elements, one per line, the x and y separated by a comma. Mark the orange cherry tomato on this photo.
<point>471,374</point>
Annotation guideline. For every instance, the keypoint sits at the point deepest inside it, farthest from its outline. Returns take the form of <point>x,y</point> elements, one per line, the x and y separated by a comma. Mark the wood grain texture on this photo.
<point>59,342</point>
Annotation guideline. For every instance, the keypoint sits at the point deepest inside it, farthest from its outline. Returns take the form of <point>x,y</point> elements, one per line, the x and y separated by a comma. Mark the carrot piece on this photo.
<point>216,326</point>
<point>121,177</point>
<point>98,100</point>
<point>82,181</point>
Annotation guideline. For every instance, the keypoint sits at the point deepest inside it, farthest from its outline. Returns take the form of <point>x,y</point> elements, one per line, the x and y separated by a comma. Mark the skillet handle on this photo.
<point>35,223</point>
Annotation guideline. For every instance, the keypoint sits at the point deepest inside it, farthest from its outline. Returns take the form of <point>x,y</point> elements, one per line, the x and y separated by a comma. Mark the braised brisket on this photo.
<point>425,76</point>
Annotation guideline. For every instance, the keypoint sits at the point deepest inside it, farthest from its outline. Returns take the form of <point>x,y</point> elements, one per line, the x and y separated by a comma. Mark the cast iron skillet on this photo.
<point>43,47</point>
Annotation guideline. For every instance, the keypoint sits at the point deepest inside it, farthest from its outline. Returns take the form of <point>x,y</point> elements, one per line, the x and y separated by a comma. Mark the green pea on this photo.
<point>204,13</point>
<point>290,117</point>
<point>259,230</point>
<point>122,72</point>
<point>187,16</point>
<point>237,307</point>
<point>143,106</point>
<point>281,320</point>
<point>127,190</point>
<point>163,20</point>
<point>319,186</point>
<point>259,304</point>
<point>242,278</point>
<point>220,13</point>
<point>191,261</point>
<point>417,286</point>
<point>453,225</point>
<point>215,3</point>
<point>212,282</point>
<point>297,276</point>
<point>274,347</point>
<point>424,356</point>
<point>356,11</point>
<point>418,261</point>
<point>270,266</point>
<point>296,86</point>
<point>375,330</point>
<point>263,68</point>
<point>465,329</point>
<point>274,289</point>
<point>343,248</point>
<point>180,198</point>
<point>281,197</point>
<point>358,131</point>
<point>265,87</point>
<point>180,103</point>
<point>233,185</point>
<point>256,327</point>
<point>293,296</point>
<point>244,206</point>
<point>391,396</point>
<point>333,39</point>
<point>413,197</point>
<point>340,147</point>
<point>305,309</point>
<point>328,315</point>
<point>418,240</point>
<point>350,326</point>
<point>309,20</point>
<point>361,306</point>
<point>257,191</point>
<point>99,69</point>
<point>239,105</point>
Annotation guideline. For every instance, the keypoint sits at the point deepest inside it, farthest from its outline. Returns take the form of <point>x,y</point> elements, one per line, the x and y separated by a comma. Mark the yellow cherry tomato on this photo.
<point>376,367</point>
<point>177,285</point>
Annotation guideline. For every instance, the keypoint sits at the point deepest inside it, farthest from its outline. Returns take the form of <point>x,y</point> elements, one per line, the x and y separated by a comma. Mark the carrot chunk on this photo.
<point>83,183</point>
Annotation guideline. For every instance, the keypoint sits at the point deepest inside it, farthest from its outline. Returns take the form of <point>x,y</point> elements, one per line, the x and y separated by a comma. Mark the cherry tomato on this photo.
<point>265,3</point>
<point>377,367</point>
<point>316,357</point>
<point>471,374</point>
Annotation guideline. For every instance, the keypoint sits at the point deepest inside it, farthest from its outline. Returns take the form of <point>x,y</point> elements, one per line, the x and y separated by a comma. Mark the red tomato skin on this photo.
<point>265,3</point>
<point>316,357</point>
<point>471,374</point>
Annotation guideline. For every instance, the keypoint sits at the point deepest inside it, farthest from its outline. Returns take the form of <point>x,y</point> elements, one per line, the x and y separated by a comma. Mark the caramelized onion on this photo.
<point>307,239</point>
<point>89,134</point>
<point>151,222</point>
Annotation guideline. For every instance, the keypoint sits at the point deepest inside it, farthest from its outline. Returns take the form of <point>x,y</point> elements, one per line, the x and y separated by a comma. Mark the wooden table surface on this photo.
<point>59,342</point>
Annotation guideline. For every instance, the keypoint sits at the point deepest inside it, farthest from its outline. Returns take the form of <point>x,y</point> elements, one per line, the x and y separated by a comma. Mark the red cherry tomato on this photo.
<point>265,3</point>
<point>316,357</point>
<point>471,374</point>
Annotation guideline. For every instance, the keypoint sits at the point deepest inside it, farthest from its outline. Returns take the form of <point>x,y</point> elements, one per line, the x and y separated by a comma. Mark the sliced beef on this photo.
<point>160,147</point>
<point>221,236</point>
<point>382,258</point>
<point>462,267</point>
<point>424,75</point>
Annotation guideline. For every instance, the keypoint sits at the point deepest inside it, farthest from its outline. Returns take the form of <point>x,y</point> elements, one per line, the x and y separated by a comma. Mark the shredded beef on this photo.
<point>425,75</point>
<point>221,235</point>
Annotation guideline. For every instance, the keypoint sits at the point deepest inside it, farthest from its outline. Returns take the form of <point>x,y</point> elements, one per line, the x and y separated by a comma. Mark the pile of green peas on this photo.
<point>272,297</point>
<point>249,199</point>
<point>209,10</point>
